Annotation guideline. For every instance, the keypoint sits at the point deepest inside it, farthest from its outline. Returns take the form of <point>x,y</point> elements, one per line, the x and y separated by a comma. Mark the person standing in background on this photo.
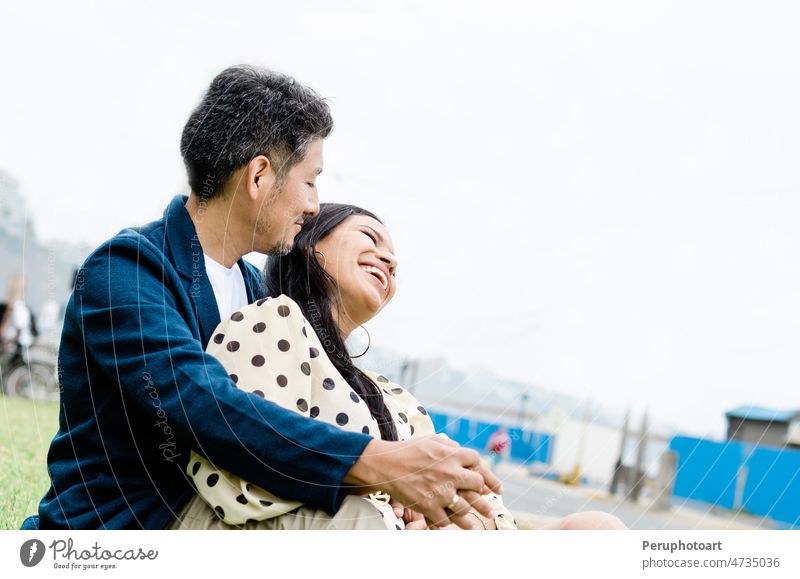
<point>499,445</point>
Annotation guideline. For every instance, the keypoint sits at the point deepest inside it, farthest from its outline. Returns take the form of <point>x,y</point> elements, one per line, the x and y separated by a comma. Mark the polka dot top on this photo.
<point>270,350</point>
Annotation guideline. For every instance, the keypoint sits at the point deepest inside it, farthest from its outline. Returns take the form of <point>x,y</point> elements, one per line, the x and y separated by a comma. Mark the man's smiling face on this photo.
<point>286,204</point>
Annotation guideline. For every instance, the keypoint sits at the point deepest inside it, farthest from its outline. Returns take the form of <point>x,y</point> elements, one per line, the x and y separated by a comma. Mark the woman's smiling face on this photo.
<point>359,255</point>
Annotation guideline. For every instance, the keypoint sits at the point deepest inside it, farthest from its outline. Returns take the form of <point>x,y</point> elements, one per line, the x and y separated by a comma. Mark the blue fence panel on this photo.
<point>527,446</point>
<point>440,422</point>
<point>705,470</point>
<point>773,484</point>
<point>479,434</point>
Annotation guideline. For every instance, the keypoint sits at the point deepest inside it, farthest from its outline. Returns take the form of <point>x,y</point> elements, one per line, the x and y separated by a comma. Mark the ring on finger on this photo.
<point>452,504</point>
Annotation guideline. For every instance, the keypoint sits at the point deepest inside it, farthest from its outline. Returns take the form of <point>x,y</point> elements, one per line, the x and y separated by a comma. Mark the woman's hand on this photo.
<point>487,524</point>
<point>413,520</point>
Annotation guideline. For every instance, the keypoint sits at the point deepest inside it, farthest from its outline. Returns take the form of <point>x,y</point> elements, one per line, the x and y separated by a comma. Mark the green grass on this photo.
<point>26,429</point>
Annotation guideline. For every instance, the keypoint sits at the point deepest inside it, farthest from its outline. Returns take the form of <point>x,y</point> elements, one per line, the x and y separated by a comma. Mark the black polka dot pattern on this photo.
<point>320,394</point>
<point>261,302</point>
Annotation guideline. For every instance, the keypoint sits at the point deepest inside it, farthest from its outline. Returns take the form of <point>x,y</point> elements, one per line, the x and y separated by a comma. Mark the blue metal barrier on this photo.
<point>712,472</point>
<point>527,446</point>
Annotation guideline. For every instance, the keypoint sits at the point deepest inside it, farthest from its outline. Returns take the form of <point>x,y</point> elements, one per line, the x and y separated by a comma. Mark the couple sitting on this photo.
<point>198,393</point>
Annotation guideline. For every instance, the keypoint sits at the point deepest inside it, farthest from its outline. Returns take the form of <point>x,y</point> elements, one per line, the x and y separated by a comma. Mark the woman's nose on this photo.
<point>390,261</point>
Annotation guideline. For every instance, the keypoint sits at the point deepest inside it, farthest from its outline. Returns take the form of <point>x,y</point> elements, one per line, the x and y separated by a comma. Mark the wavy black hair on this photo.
<point>300,276</point>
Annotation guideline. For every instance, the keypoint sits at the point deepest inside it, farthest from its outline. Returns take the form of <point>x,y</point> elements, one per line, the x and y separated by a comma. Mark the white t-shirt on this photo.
<point>228,285</point>
<point>20,322</point>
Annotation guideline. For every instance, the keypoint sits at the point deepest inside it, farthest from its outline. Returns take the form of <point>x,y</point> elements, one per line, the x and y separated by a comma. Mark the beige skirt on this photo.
<point>356,513</point>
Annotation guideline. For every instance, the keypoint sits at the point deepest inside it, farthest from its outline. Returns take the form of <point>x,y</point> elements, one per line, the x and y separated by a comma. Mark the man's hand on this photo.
<point>425,474</point>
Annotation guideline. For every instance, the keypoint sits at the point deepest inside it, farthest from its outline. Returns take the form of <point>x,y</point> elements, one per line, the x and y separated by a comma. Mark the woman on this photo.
<point>290,349</point>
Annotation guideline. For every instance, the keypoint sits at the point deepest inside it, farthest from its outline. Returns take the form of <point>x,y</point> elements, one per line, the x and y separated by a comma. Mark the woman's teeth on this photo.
<point>377,273</point>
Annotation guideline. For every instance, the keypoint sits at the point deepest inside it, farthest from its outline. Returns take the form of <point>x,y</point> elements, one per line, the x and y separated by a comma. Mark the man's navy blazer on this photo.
<point>138,393</point>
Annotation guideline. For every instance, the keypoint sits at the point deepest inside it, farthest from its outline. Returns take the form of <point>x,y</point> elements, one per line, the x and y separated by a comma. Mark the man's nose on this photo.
<point>312,203</point>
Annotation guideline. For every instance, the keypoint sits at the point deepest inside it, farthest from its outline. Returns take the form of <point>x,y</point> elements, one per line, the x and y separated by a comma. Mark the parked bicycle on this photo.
<point>29,373</point>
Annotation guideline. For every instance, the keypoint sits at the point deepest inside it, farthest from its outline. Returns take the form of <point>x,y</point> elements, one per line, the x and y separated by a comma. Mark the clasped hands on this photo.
<point>424,476</point>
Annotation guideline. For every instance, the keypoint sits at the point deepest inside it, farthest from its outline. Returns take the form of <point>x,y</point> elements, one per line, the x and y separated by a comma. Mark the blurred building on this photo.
<point>46,268</point>
<point>13,219</point>
<point>764,426</point>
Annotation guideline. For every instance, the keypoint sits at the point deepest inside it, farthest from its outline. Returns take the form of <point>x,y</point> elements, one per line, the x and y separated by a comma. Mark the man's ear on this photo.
<point>260,176</point>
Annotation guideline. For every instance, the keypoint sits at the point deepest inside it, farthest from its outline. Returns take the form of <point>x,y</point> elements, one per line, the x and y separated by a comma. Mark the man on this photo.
<point>138,391</point>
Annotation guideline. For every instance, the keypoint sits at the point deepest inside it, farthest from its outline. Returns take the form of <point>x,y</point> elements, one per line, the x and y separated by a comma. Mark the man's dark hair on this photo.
<point>250,111</point>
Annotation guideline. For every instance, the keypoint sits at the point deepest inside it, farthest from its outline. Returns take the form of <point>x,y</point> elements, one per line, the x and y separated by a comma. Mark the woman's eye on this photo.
<point>372,237</point>
<point>310,184</point>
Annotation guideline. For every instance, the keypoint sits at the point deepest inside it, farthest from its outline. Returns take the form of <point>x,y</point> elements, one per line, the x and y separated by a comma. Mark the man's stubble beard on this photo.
<point>263,228</point>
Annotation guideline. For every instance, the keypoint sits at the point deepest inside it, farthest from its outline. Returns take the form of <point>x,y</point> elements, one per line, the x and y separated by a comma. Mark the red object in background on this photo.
<point>499,442</point>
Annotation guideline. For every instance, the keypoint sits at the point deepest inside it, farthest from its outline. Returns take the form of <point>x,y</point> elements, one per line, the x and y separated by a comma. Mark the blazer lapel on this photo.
<point>252,281</point>
<point>186,253</point>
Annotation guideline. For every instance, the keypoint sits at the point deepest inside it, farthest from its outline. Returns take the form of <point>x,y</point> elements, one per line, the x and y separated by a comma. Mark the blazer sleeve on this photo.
<point>134,327</point>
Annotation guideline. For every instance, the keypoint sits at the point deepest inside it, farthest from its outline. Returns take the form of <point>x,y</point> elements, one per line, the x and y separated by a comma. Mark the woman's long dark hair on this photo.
<point>300,276</point>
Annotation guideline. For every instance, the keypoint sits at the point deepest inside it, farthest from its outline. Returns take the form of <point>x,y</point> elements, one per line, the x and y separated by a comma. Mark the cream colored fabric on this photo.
<point>272,351</point>
<point>356,514</point>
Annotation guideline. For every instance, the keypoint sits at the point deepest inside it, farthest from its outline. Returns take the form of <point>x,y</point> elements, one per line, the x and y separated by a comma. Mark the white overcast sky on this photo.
<point>601,198</point>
